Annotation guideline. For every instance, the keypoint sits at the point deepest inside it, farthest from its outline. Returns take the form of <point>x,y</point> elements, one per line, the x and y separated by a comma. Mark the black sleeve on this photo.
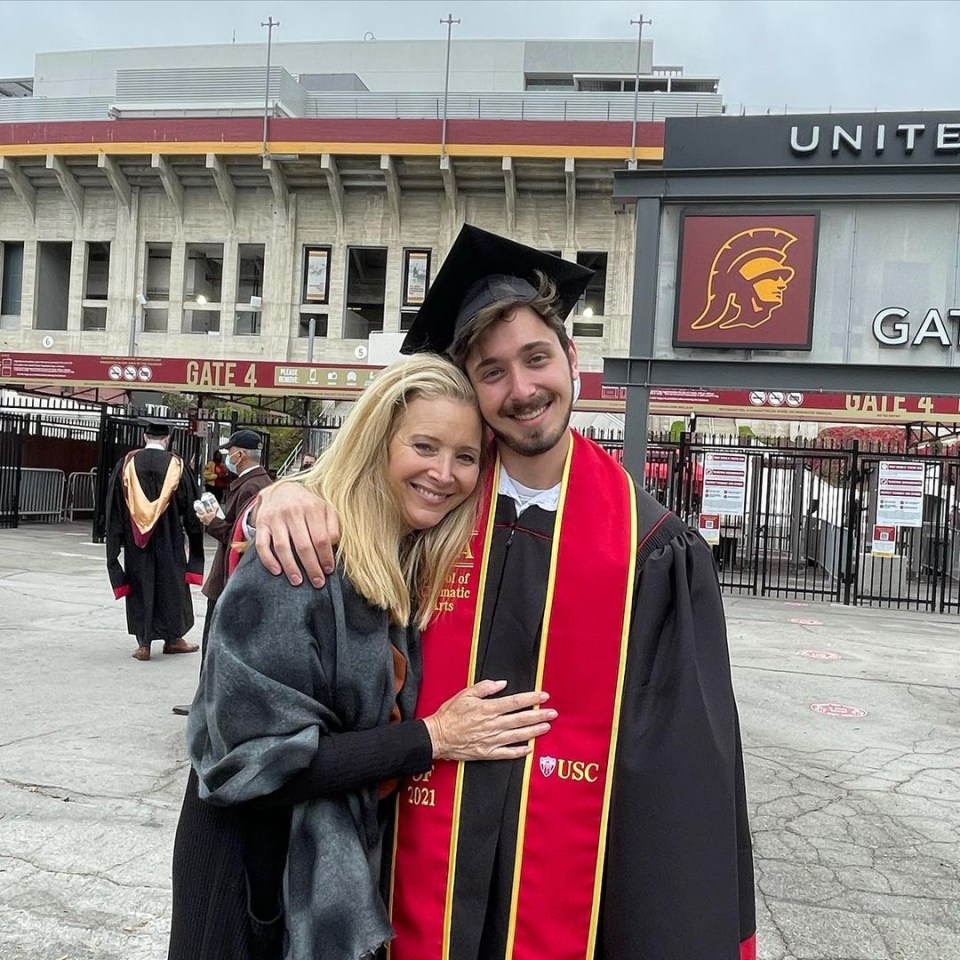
<point>187,492</point>
<point>271,643</point>
<point>346,761</point>
<point>116,517</point>
<point>679,839</point>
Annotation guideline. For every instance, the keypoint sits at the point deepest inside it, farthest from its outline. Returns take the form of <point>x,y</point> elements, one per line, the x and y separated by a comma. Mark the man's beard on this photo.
<point>539,440</point>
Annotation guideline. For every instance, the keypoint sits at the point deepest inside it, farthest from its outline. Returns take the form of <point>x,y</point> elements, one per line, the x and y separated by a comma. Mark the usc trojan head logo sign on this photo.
<point>746,282</point>
<point>748,279</point>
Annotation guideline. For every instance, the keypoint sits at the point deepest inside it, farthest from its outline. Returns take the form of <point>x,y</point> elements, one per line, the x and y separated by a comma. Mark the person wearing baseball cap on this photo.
<point>242,457</point>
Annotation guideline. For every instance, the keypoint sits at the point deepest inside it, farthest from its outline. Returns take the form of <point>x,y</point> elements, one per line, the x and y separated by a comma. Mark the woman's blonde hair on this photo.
<point>383,560</point>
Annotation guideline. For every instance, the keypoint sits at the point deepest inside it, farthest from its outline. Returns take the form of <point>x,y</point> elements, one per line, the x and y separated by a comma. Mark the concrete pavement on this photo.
<point>855,805</point>
<point>856,819</point>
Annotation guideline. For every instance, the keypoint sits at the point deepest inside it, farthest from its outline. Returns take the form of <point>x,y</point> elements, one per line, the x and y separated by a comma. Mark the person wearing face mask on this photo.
<point>241,456</point>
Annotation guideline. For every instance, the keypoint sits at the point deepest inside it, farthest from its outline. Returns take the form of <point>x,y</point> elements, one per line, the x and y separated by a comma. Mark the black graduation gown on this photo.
<point>158,603</point>
<point>678,876</point>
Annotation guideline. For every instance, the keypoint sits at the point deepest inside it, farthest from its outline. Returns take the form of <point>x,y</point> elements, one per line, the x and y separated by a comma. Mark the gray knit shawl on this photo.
<point>285,666</point>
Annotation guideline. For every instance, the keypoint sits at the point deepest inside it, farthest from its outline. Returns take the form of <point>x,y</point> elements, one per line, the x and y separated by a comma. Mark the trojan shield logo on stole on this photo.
<point>548,765</point>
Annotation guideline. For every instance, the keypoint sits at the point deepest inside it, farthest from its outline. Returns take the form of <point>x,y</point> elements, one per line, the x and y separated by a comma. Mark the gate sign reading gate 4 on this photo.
<point>724,483</point>
<point>900,494</point>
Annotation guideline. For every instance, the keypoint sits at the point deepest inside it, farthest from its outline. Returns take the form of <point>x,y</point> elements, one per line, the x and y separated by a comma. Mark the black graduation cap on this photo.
<point>155,428</point>
<point>480,269</point>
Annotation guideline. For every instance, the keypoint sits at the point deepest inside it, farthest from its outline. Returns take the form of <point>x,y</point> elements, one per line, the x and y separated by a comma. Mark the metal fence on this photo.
<point>41,494</point>
<point>13,432</point>
<point>925,573</point>
<point>192,437</point>
<point>50,494</point>
<point>805,531</point>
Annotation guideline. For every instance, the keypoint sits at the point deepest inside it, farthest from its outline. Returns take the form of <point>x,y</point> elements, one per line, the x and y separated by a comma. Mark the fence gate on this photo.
<point>805,531</point>
<point>190,438</point>
<point>925,573</point>
<point>794,538</point>
<point>13,432</point>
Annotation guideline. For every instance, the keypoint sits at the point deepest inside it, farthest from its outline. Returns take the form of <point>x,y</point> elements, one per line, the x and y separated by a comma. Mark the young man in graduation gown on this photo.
<point>149,512</point>
<point>623,835</point>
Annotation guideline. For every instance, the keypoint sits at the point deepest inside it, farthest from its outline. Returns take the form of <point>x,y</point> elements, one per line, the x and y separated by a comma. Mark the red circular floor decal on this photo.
<point>806,621</point>
<point>819,655</point>
<point>838,710</point>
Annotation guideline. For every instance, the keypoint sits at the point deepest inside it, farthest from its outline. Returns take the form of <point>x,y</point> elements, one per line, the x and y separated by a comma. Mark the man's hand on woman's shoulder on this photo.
<point>292,522</point>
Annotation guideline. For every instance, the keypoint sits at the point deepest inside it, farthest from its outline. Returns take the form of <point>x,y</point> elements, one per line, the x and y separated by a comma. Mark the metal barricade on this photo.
<point>81,493</point>
<point>41,494</point>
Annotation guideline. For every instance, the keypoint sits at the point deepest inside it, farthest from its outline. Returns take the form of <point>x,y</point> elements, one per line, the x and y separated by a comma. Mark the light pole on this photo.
<point>636,89</point>
<point>269,23</point>
<point>446,84</point>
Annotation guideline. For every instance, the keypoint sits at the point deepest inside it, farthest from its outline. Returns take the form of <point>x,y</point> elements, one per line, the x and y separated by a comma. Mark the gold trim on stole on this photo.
<point>471,678</point>
<point>145,512</point>
<point>458,788</point>
<point>615,731</point>
<point>528,763</point>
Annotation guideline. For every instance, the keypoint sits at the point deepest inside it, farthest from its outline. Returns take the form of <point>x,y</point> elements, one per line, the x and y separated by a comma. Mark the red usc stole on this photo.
<point>568,778</point>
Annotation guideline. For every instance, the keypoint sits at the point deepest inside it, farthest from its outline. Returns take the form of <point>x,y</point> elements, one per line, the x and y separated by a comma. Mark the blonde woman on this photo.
<point>304,712</point>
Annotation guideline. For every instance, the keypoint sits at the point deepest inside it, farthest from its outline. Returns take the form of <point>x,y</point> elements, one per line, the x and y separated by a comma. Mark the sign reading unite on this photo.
<point>746,282</point>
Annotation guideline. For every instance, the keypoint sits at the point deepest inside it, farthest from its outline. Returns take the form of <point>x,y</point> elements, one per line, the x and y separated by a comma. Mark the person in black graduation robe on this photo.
<point>677,871</point>
<point>156,571</point>
<point>677,881</point>
<point>678,868</point>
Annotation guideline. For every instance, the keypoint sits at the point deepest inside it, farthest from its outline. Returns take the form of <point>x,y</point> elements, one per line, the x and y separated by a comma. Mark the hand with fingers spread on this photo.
<point>476,725</point>
<point>294,524</point>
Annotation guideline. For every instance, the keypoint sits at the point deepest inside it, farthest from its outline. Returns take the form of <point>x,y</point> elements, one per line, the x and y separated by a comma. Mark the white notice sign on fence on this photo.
<point>900,494</point>
<point>724,483</point>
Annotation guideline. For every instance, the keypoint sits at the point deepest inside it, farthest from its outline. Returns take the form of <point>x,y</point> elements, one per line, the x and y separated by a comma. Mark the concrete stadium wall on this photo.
<point>425,221</point>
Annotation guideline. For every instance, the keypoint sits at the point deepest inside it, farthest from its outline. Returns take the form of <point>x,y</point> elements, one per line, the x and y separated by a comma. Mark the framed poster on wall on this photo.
<point>316,275</point>
<point>416,276</point>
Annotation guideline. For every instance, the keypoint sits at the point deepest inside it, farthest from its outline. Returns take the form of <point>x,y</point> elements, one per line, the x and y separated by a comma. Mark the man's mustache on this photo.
<point>528,406</point>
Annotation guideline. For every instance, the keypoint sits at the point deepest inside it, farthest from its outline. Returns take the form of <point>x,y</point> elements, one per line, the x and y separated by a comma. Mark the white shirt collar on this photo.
<point>245,472</point>
<point>154,446</point>
<point>525,497</point>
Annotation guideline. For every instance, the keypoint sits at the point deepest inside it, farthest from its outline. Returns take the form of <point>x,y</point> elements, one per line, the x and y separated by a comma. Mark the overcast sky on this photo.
<point>807,54</point>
